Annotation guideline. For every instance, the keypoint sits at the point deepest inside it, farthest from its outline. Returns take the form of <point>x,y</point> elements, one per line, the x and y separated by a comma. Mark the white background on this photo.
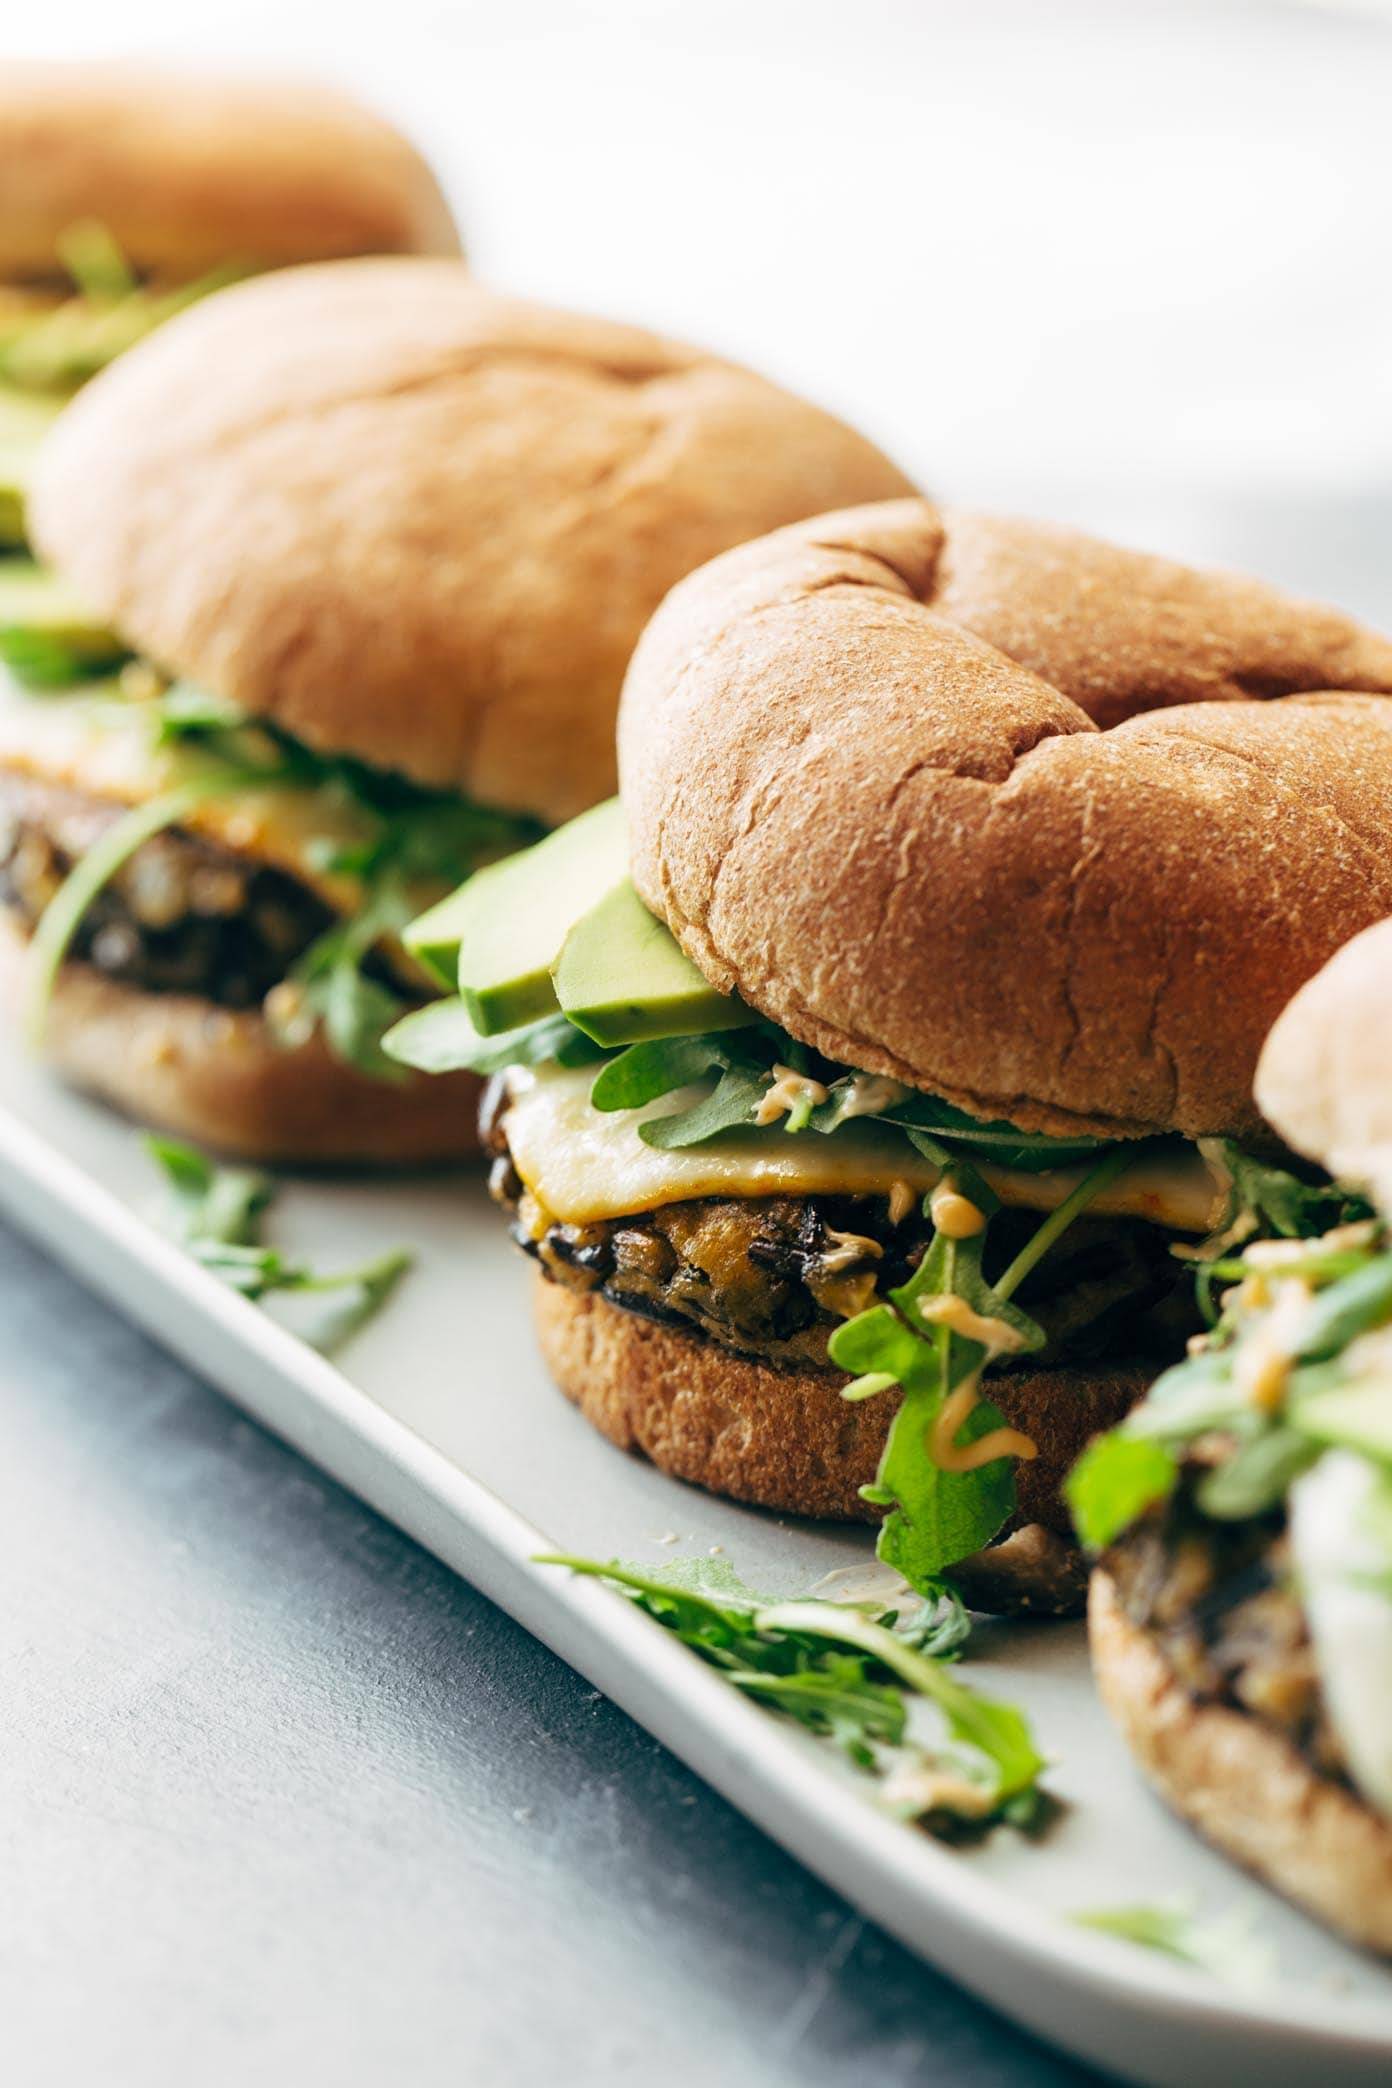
<point>1126,263</point>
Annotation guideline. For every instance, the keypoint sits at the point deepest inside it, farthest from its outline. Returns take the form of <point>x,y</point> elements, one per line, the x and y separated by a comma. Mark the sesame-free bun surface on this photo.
<point>1242,1785</point>
<point>994,808</point>
<point>1325,1075</point>
<point>417,522</point>
<point>219,1079</point>
<point>190,171</point>
<point>786,1439</point>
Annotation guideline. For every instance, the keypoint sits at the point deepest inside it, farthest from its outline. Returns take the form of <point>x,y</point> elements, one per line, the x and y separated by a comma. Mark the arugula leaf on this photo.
<point>834,1699</point>
<point>214,1204</point>
<point>1003,1145</point>
<point>998,1731</point>
<point>330,989</point>
<point>1354,1305</point>
<point>847,1671</point>
<point>185,711</point>
<point>1117,1478</point>
<point>217,1214</point>
<point>731,1104</point>
<point>1268,1200</point>
<point>1228,1948</point>
<point>937,1517</point>
<point>442,1038</point>
<point>88,878</point>
<point>1257,1475</point>
<point>1354,1415</point>
<point>643,1072</point>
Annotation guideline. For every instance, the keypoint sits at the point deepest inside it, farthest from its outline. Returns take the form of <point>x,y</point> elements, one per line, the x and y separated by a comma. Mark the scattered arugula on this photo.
<point>1228,1947</point>
<point>216,1215</point>
<point>853,1673</point>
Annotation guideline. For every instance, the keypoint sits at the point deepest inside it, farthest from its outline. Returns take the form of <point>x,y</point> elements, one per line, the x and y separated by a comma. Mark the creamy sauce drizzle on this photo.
<point>951,1456</point>
<point>1263,1362</point>
<point>867,1094</point>
<point>790,1091</point>
<point>955,1216</point>
<point>998,1338</point>
<point>847,1249</point>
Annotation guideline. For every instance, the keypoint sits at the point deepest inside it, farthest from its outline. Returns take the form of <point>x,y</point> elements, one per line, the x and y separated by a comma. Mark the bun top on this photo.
<point>191,171</point>
<point>1325,1077</point>
<point>417,522</point>
<point>993,808</point>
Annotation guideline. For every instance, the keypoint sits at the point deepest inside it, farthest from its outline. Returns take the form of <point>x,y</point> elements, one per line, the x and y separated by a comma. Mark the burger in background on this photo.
<point>128,192</point>
<point>374,545</point>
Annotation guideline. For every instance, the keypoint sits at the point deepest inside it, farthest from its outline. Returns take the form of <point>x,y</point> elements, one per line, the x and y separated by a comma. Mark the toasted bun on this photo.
<point>417,522</point>
<point>1325,1076</point>
<point>218,1079</point>
<point>786,1439</point>
<point>1243,1786</point>
<point>866,787</point>
<point>190,171</point>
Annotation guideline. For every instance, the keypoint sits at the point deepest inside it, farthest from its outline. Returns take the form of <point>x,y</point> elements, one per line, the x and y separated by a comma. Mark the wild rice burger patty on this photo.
<point>774,1276</point>
<point>180,916</point>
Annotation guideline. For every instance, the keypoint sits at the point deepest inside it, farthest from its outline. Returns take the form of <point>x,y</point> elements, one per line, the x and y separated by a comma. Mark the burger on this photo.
<point>1241,1615</point>
<point>345,567</point>
<point>128,192</point>
<point>869,1075</point>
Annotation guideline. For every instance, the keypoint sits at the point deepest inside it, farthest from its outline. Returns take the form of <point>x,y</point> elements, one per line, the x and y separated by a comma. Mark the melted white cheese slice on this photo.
<point>583,1164</point>
<point>1343,1573</point>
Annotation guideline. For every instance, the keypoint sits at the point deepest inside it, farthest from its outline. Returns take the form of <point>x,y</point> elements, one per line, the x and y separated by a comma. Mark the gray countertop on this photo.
<point>280,1798</point>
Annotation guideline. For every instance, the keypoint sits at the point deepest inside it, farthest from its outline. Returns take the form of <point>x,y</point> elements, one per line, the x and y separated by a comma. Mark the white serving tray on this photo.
<point>440,1416</point>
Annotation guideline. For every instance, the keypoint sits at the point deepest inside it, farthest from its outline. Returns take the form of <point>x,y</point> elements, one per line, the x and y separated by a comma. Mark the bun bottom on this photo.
<point>1243,1786</point>
<point>186,1066</point>
<point>786,1439</point>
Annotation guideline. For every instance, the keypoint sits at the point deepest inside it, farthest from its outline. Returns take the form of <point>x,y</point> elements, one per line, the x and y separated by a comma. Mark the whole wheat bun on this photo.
<point>1325,1075</point>
<point>786,1439</point>
<point>192,170</point>
<point>990,807</point>
<point>417,522</point>
<point>217,1078</point>
<point>1242,1785</point>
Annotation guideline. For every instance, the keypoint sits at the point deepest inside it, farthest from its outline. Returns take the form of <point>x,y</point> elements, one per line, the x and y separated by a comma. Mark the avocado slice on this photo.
<point>498,936</point>
<point>46,637</point>
<point>623,977</point>
<point>25,418</point>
